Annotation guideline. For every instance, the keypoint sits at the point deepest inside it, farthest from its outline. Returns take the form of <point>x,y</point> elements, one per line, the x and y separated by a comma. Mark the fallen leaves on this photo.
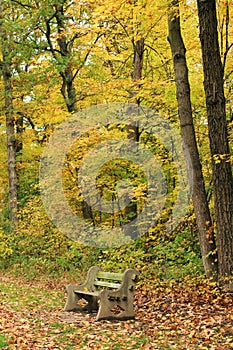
<point>167,317</point>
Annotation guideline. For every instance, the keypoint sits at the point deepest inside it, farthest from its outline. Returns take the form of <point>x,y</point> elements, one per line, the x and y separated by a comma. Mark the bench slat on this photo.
<point>110,275</point>
<point>86,292</point>
<point>107,284</point>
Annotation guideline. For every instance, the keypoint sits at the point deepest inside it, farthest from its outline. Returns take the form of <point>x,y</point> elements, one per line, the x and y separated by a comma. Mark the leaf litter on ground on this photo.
<point>169,315</point>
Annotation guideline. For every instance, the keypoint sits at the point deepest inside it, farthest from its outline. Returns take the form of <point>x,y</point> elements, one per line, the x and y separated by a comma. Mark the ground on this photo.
<point>171,315</point>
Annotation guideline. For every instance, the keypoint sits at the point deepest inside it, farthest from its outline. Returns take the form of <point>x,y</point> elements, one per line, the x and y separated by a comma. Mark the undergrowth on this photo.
<point>53,254</point>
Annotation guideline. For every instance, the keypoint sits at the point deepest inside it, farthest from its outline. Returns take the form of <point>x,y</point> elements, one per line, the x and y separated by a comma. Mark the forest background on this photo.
<point>60,57</point>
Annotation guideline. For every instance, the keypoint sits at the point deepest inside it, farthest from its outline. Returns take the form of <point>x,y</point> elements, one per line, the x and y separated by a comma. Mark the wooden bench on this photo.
<point>109,293</point>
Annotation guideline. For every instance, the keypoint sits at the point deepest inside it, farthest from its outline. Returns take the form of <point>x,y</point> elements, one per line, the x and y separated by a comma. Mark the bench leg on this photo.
<point>105,307</point>
<point>72,299</point>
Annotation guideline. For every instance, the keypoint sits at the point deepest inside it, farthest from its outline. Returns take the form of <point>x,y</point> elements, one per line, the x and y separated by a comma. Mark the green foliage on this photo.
<point>6,238</point>
<point>3,342</point>
<point>178,258</point>
<point>165,259</point>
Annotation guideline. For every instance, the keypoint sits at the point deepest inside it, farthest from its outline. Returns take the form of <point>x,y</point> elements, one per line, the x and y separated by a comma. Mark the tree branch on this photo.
<point>26,6</point>
<point>87,55</point>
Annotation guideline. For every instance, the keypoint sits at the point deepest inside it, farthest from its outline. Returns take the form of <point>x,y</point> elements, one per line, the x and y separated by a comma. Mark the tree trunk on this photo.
<point>199,197</point>
<point>133,129</point>
<point>10,122</point>
<point>137,67</point>
<point>218,135</point>
<point>11,145</point>
<point>68,90</point>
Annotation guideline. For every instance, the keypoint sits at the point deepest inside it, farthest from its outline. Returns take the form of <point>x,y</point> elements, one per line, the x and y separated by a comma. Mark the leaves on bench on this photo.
<point>117,310</point>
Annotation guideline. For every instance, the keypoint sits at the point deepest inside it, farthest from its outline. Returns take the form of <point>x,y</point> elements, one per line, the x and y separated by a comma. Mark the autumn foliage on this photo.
<point>58,58</point>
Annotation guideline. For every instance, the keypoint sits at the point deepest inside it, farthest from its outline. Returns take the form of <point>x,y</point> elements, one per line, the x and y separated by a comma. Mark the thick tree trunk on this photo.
<point>199,197</point>
<point>10,122</point>
<point>218,135</point>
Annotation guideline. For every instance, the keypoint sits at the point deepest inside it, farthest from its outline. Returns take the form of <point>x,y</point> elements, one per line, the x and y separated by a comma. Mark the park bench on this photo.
<point>109,293</point>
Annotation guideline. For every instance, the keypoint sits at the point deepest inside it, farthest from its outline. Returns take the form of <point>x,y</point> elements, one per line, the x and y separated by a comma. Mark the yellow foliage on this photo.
<point>5,242</point>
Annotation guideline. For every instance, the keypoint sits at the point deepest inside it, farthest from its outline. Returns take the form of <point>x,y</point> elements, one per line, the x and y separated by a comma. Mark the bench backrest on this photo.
<point>97,279</point>
<point>109,280</point>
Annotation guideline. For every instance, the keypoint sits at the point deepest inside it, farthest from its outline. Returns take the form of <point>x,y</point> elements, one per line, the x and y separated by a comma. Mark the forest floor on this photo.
<point>168,316</point>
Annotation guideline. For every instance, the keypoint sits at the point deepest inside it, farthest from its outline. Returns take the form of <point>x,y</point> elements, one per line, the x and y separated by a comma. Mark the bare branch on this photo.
<point>87,55</point>
<point>26,6</point>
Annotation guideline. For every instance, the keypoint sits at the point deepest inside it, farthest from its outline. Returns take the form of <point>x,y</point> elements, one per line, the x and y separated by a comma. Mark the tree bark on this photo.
<point>68,90</point>
<point>10,122</point>
<point>199,196</point>
<point>137,66</point>
<point>218,135</point>
<point>131,211</point>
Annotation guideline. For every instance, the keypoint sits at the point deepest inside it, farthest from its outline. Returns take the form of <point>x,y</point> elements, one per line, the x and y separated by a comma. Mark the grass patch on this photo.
<point>3,342</point>
<point>20,296</point>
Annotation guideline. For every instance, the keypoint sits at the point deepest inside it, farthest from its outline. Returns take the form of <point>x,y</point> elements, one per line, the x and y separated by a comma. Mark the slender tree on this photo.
<point>5,65</point>
<point>218,136</point>
<point>199,197</point>
<point>133,128</point>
